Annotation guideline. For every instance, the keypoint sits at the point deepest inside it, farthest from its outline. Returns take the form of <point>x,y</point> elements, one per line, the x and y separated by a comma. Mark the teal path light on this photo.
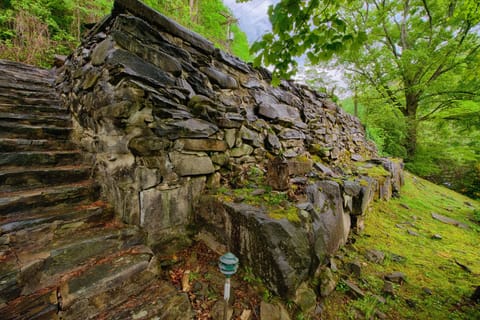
<point>228,266</point>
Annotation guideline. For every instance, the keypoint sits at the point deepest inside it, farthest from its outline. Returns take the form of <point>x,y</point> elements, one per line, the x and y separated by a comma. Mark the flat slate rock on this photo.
<point>448,220</point>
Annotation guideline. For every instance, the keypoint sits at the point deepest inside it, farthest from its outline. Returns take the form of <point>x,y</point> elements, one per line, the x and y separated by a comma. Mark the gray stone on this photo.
<point>397,258</point>
<point>366,195</point>
<point>202,144</point>
<point>375,256</point>
<point>195,128</point>
<point>232,61</point>
<point>328,282</point>
<point>258,192</point>
<point>307,206</point>
<point>149,53</point>
<point>279,112</point>
<point>427,291</point>
<point>305,298</point>
<point>101,51</point>
<point>223,80</point>
<point>252,83</point>
<point>357,157</point>
<point>218,311</point>
<point>324,169</point>
<point>448,220</point>
<point>437,237</point>
<point>388,288</point>
<point>243,150</point>
<point>191,164</point>
<point>291,153</point>
<point>352,188</point>
<point>412,233</point>
<point>331,225</point>
<point>354,268</point>
<point>220,158</point>
<point>272,143</point>
<point>182,83</point>
<point>288,134</point>
<point>147,146</point>
<point>404,205</point>
<point>230,137</point>
<point>161,213</point>
<point>273,311</point>
<point>134,66</point>
<point>147,177</point>
<point>278,251</point>
<point>354,290</point>
<point>230,120</point>
<point>396,276</point>
<point>248,135</point>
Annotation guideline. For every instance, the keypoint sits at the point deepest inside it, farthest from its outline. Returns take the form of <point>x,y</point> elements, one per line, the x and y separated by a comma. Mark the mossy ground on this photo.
<point>429,264</point>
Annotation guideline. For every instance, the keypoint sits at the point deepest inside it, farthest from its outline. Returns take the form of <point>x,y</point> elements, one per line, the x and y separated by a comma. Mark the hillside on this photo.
<point>34,31</point>
<point>440,274</point>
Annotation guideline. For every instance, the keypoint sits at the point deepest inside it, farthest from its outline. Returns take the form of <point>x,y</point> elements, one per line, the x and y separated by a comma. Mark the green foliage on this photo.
<point>384,125</point>
<point>420,58</point>
<point>249,276</point>
<point>476,215</point>
<point>341,287</point>
<point>33,31</point>
<point>449,154</point>
<point>313,28</point>
<point>267,295</point>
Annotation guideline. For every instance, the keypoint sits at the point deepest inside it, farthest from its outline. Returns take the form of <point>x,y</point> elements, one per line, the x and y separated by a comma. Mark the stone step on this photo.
<point>73,193</point>
<point>84,294</point>
<point>33,83</point>
<point>22,145</point>
<point>21,227</point>
<point>18,71</point>
<point>39,306</point>
<point>85,297</point>
<point>85,267</point>
<point>20,86</point>
<point>37,109</point>
<point>40,158</point>
<point>45,93</point>
<point>58,120</point>
<point>18,130</point>
<point>21,178</point>
<point>159,299</point>
<point>5,98</point>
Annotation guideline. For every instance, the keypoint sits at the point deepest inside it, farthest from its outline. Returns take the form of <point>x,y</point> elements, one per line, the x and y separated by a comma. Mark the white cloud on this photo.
<point>252,16</point>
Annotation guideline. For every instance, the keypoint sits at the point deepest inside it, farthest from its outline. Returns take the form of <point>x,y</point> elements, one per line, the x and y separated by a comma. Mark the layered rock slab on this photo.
<point>62,253</point>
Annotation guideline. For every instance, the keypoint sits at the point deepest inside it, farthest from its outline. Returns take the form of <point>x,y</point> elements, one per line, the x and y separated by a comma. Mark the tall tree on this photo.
<point>420,56</point>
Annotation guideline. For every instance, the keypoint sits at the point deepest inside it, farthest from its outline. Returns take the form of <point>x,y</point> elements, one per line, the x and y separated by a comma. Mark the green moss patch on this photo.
<point>437,285</point>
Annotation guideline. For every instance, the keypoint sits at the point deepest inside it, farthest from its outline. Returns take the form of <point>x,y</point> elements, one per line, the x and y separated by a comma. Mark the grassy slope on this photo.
<point>429,263</point>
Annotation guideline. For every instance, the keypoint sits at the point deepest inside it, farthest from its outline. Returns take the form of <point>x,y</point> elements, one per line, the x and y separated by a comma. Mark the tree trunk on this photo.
<point>410,113</point>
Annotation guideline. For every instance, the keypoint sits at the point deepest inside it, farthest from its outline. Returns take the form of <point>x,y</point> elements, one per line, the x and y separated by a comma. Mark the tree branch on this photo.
<point>430,21</point>
<point>441,106</point>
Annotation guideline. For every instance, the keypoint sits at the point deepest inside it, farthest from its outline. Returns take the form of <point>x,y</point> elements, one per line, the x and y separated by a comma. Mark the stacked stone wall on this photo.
<point>166,116</point>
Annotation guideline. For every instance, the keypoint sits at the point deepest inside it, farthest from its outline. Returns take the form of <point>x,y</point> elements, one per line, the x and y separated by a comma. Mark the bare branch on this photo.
<point>430,21</point>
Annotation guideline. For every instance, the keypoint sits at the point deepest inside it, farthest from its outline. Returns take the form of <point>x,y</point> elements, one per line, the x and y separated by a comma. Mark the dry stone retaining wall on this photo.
<point>165,115</point>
